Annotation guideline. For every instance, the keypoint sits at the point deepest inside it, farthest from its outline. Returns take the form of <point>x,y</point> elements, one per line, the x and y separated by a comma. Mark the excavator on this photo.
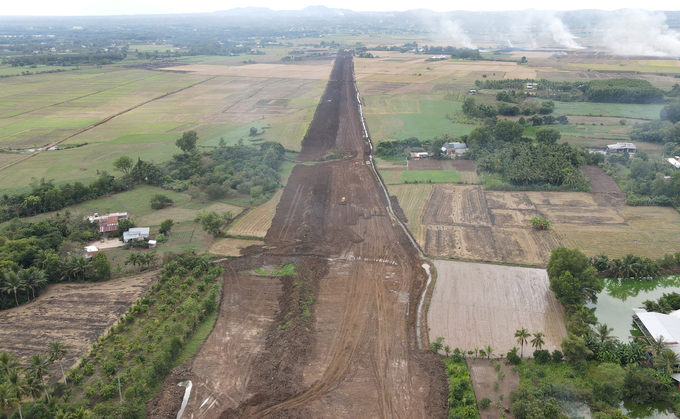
<point>343,201</point>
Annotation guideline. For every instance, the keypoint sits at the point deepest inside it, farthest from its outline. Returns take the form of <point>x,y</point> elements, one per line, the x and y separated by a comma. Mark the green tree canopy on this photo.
<point>548,135</point>
<point>670,112</point>
<point>166,226</point>
<point>123,164</point>
<point>581,285</point>
<point>187,142</point>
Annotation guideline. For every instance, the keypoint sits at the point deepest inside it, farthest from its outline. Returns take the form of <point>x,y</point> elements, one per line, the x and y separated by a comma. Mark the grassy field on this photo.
<point>430,176</point>
<point>401,117</point>
<point>623,110</point>
<point>43,108</point>
<point>412,200</point>
<point>639,68</point>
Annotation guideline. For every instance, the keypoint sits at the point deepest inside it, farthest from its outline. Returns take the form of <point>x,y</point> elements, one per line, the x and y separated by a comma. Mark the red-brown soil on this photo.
<point>354,352</point>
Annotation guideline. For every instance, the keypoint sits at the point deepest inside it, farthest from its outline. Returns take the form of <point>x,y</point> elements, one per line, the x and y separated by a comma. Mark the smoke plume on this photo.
<point>639,32</point>
<point>452,32</point>
<point>561,34</point>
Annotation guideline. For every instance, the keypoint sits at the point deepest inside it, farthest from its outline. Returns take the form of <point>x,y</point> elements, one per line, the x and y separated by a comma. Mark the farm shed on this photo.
<point>454,149</point>
<point>621,148</point>
<point>108,222</point>
<point>90,251</point>
<point>416,155</point>
<point>137,233</point>
<point>658,325</point>
<point>675,163</point>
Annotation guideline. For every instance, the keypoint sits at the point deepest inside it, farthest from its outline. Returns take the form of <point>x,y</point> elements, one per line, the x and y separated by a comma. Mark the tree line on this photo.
<point>33,255</point>
<point>223,171</point>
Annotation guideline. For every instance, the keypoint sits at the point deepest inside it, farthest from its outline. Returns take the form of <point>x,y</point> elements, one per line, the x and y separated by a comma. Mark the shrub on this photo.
<point>557,355</point>
<point>107,391</point>
<point>540,223</point>
<point>513,358</point>
<point>542,356</point>
<point>485,403</point>
<point>88,369</point>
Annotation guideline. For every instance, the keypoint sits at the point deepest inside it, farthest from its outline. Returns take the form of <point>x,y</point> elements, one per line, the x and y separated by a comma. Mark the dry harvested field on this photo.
<point>385,69</point>
<point>231,247</point>
<point>412,200</point>
<point>257,221</point>
<point>314,70</point>
<point>475,305</point>
<point>76,314</point>
<point>465,222</point>
<point>354,352</point>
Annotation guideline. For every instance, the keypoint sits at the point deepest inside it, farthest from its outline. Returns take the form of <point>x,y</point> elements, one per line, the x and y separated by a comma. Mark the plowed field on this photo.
<point>464,222</point>
<point>342,341</point>
<point>475,305</point>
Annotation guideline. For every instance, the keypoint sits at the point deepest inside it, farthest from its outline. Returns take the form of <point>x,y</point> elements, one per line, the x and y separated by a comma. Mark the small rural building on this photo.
<point>674,162</point>
<point>137,233</point>
<point>90,251</point>
<point>454,149</point>
<point>658,325</point>
<point>621,148</point>
<point>532,86</point>
<point>152,244</point>
<point>473,92</point>
<point>417,155</point>
<point>439,57</point>
<point>108,222</point>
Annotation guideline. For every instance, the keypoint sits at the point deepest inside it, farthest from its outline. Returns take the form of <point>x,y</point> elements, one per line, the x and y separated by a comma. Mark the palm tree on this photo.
<point>669,361</point>
<point>37,366</point>
<point>603,333</point>
<point>656,346</point>
<point>133,259</point>
<point>18,387</point>
<point>25,277</point>
<point>56,351</point>
<point>538,341</point>
<point>8,399</point>
<point>36,279</point>
<point>489,351</point>
<point>33,387</point>
<point>8,362</point>
<point>522,335</point>
<point>12,283</point>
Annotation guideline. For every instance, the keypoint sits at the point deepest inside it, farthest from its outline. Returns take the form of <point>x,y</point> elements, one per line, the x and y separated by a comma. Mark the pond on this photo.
<point>578,410</point>
<point>618,298</point>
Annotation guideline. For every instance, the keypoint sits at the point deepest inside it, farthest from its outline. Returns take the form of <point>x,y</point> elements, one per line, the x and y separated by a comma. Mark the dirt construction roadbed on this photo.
<point>338,338</point>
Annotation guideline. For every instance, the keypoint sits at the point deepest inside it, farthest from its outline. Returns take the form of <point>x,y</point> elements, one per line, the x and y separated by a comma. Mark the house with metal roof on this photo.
<point>454,149</point>
<point>621,148</point>
<point>108,222</point>
<point>137,233</point>
<point>658,326</point>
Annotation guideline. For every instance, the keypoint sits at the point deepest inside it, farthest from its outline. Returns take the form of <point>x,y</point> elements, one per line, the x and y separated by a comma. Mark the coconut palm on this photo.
<point>36,279</point>
<point>25,277</point>
<point>12,284</point>
<point>8,400</point>
<point>603,333</point>
<point>538,341</point>
<point>133,259</point>
<point>656,346</point>
<point>668,360</point>
<point>17,386</point>
<point>8,362</point>
<point>522,335</point>
<point>489,351</point>
<point>37,366</point>
<point>57,351</point>
<point>34,387</point>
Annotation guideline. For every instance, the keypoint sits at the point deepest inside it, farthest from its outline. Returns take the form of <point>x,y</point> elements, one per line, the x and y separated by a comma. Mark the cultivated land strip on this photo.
<point>103,121</point>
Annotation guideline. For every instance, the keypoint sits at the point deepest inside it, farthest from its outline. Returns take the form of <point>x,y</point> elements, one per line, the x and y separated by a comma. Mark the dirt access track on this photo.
<point>338,339</point>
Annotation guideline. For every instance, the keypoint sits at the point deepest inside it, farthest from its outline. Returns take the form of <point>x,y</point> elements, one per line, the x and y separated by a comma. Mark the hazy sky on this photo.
<point>117,7</point>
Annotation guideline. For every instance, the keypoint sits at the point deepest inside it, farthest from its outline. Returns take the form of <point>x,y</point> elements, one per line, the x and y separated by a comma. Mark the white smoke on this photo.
<point>561,34</point>
<point>452,31</point>
<point>639,32</point>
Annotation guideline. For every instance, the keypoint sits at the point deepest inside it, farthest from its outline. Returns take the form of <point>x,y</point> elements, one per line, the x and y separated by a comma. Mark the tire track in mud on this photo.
<point>358,355</point>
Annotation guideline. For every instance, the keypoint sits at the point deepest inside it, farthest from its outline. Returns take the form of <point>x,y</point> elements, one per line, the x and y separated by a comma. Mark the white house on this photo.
<point>90,251</point>
<point>137,233</point>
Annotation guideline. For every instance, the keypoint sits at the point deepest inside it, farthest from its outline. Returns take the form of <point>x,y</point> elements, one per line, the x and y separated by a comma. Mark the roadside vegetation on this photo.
<point>126,366</point>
